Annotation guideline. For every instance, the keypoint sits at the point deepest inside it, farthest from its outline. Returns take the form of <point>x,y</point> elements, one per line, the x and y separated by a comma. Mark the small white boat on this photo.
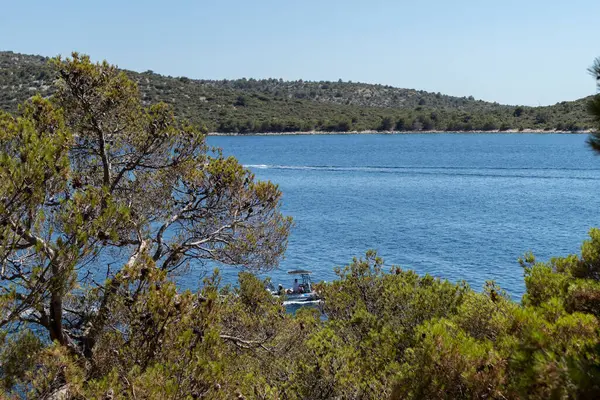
<point>301,291</point>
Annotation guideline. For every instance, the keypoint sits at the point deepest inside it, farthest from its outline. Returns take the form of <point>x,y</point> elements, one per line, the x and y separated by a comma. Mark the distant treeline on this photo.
<point>420,119</point>
<point>274,105</point>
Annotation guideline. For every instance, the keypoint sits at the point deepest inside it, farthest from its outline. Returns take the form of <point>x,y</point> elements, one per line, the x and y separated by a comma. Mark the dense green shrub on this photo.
<point>389,333</point>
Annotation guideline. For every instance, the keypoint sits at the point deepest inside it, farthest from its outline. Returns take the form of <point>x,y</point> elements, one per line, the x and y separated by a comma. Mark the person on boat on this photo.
<point>280,290</point>
<point>296,287</point>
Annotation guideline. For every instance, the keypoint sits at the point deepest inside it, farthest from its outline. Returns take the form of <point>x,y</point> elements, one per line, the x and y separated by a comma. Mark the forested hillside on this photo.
<point>272,105</point>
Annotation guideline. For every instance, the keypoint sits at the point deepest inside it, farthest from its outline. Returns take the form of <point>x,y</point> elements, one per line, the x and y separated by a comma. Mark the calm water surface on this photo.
<point>457,206</point>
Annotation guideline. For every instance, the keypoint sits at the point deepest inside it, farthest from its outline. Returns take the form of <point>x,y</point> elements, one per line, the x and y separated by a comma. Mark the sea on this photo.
<point>453,205</point>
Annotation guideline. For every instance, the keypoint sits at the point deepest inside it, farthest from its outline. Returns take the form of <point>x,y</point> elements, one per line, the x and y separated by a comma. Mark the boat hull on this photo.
<point>299,297</point>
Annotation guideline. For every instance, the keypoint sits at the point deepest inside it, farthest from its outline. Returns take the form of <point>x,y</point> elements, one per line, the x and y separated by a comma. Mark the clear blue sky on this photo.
<point>517,52</point>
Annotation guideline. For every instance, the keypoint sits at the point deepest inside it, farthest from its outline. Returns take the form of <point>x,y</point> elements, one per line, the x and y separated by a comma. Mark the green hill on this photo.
<point>272,105</point>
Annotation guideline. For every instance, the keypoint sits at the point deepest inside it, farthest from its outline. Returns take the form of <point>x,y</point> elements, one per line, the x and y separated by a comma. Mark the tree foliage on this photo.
<point>389,333</point>
<point>99,193</point>
<point>594,107</point>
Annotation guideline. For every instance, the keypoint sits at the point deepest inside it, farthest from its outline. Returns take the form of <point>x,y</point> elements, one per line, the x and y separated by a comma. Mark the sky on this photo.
<point>529,52</point>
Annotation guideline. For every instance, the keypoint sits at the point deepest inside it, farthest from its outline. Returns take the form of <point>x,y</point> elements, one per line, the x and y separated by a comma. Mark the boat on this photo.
<point>301,292</point>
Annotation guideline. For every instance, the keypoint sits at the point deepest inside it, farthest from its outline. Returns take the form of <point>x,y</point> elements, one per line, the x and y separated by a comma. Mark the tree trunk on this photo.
<point>56,313</point>
<point>56,306</point>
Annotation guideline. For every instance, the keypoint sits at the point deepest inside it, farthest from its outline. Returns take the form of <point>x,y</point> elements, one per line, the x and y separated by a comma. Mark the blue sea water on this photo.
<point>456,206</point>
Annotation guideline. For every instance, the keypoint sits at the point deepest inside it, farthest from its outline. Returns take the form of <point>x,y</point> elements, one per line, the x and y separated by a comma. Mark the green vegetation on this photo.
<point>92,175</point>
<point>272,105</point>
<point>389,335</point>
<point>594,107</point>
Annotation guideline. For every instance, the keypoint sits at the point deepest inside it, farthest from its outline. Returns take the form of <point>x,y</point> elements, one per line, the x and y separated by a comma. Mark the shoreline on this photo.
<point>508,131</point>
